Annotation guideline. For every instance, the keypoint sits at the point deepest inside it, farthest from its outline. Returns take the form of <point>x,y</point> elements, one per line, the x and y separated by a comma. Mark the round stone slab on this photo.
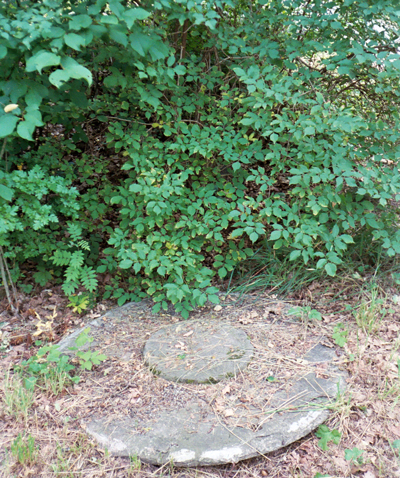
<point>194,435</point>
<point>198,351</point>
<point>285,391</point>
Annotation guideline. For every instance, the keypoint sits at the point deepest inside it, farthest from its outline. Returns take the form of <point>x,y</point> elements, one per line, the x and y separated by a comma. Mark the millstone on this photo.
<point>198,351</point>
<point>215,390</point>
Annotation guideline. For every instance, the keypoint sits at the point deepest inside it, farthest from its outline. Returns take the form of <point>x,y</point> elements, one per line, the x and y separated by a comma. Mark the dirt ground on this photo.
<point>363,428</point>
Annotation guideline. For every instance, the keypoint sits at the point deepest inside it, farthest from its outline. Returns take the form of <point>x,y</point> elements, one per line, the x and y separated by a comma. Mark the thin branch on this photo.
<point>184,39</point>
<point>3,148</point>
<point>10,279</point>
<point>4,278</point>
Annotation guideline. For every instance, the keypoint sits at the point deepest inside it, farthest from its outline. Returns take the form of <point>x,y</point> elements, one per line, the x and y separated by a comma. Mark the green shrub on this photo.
<point>228,125</point>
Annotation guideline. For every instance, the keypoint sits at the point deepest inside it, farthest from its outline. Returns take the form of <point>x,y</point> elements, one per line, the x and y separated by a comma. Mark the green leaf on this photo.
<point>69,287</point>
<point>3,51</point>
<point>34,117</point>
<point>25,129</point>
<point>340,335</point>
<point>213,298</point>
<point>310,130</point>
<point>78,22</point>
<point>222,272</point>
<point>314,315</point>
<point>72,69</point>
<point>130,16</point>
<point>87,365</point>
<point>78,98</point>
<point>41,60</point>
<point>253,237</point>
<point>140,43</point>
<point>59,77</point>
<point>180,70</point>
<point>33,98</point>
<point>7,124</point>
<point>6,193</point>
<point>353,455</point>
<point>119,37</point>
<point>126,264</point>
<point>237,232</point>
<point>109,20</point>
<point>83,338</point>
<point>30,382</point>
<point>326,435</point>
<point>331,269</point>
<point>347,239</point>
<point>135,188</point>
<point>294,255</point>
<point>75,70</point>
<point>74,41</point>
<point>275,235</point>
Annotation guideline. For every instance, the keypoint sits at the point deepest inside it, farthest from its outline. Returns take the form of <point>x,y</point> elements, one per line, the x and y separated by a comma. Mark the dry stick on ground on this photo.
<point>3,263</point>
<point>4,268</point>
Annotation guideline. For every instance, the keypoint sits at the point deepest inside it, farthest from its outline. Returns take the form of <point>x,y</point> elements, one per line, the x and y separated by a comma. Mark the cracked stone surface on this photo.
<point>220,389</point>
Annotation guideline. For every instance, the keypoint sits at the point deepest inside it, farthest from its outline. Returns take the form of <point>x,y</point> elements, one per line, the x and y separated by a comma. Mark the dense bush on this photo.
<point>194,131</point>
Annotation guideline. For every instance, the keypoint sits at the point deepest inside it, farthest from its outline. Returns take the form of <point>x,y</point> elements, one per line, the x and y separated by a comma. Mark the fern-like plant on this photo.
<point>73,257</point>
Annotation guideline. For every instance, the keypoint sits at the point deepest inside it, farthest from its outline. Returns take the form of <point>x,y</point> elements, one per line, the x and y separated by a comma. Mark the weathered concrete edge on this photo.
<point>262,443</point>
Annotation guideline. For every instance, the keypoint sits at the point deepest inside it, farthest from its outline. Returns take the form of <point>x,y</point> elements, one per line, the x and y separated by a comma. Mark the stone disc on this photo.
<point>216,389</point>
<point>198,351</point>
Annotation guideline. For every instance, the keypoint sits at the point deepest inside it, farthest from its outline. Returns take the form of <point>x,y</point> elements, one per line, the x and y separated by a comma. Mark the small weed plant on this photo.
<point>135,465</point>
<point>396,448</point>
<point>326,435</point>
<point>51,370</point>
<point>391,387</point>
<point>340,334</point>
<point>87,358</point>
<point>305,314</point>
<point>370,313</point>
<point>48,369</point>
<point>62,465</point>
<point>17,399</point>
<point>354,456</point>
<point>24,450</point>
<point>79,302</point>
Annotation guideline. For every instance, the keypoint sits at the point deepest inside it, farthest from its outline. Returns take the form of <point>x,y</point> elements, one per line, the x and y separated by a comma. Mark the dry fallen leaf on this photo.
<point>226,390</point>
<point>217,308</point>
<point>229,412</point>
